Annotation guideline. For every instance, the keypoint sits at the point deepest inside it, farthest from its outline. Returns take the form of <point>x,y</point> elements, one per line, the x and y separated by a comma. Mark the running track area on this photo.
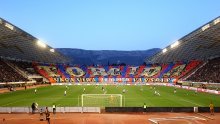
<point>113,118</point>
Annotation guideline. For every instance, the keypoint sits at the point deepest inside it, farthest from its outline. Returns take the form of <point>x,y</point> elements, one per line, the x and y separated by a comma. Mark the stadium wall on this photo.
<point>109,109</point>
<point>58,109</point>
<point>160,109</point>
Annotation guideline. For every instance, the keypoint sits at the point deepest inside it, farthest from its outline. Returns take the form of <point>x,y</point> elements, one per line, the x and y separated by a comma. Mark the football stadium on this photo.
<point>176,85</point>
<point>180,78</point>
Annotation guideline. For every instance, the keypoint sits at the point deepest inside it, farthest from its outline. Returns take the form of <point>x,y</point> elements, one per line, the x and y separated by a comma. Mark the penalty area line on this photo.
<point>153,121</point>
<point>157,120</point>
<point>205,116</point>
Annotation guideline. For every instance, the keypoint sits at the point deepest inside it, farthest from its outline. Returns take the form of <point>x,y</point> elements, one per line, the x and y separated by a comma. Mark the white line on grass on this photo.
<point>11,103</point>
<point>191,102</point>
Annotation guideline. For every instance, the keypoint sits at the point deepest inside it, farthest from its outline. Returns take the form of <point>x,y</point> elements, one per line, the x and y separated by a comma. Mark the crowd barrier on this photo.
<point>58,109</point>
<point>107,109</point>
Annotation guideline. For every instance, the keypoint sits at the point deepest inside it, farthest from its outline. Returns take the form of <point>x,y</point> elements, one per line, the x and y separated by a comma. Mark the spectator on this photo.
<point>47,115</point>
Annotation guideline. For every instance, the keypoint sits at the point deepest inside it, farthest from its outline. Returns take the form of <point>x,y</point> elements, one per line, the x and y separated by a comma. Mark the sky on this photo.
<point>109,24</point>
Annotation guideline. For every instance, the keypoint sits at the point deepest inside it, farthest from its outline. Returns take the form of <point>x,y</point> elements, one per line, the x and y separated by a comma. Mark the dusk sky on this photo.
<point>109,24</point>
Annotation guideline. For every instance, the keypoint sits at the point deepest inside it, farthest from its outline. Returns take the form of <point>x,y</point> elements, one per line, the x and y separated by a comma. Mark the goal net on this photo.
<point>101,100</point>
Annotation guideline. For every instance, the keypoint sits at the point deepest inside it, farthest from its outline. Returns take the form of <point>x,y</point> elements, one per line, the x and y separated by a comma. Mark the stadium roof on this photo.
<point>201,44</point>
<point>19,45</point>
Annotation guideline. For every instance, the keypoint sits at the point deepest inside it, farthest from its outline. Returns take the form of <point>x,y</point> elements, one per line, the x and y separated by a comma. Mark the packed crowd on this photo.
<point>8,74</point>
<point>26,67</point>
<point>208,73</point>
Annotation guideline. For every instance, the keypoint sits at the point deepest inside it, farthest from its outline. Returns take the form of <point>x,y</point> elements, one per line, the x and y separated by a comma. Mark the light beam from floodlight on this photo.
<point>41,44</point>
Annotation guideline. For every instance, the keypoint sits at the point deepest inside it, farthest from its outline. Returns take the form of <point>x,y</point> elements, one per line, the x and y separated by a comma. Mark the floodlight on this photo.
<point>164,50</point>
<point>216,21</point>
<point>175,44</point>
<point>41,44</point>
<point>52,50</point>
<point>205,27</point>
<point>9,26</point>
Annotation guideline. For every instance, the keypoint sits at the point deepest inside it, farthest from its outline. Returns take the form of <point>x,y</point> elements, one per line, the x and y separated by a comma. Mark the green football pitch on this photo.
<point>134,96</point>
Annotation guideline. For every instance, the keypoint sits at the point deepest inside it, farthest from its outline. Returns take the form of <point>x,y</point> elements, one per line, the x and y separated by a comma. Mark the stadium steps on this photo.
<point>62,71</point>
<point>170,66</point>
<point>189,68</point>
<point>164,67</point>
<point>193,71</point>
<point>16,69</point>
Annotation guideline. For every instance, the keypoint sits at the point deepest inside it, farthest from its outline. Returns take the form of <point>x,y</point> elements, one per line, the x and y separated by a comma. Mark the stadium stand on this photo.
<point>18,51</point>
<point>26,67</point>
<point>62,72</point>
<point>151,71</point>
<point>190,67</point>
<point>171,70</point>
<point>8,74</point>
<point>192,46</point>
<point>210,72</point>
<point>16,44</point>
<point>195,56</point>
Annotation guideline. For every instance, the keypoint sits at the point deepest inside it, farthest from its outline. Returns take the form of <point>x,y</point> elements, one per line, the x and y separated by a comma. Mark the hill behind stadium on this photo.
<point>105,57</point>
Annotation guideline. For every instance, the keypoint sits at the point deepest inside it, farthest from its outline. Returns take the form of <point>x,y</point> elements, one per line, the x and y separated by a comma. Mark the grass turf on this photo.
<point>134,96</point>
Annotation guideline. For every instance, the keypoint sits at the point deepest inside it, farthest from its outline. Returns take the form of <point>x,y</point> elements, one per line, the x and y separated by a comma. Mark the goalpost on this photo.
<point>101,100</point>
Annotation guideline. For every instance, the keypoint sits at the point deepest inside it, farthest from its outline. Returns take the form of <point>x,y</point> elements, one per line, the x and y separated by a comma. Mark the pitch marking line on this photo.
<point>156,120</point>
<point>191,102</point>
<point>12,102</point>
<point>20,118</point>
<point>205,116</point>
